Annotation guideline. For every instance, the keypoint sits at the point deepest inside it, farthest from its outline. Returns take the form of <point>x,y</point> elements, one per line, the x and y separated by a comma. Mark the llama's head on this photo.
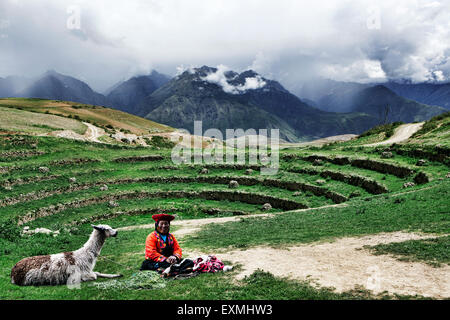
<point>107,230</point>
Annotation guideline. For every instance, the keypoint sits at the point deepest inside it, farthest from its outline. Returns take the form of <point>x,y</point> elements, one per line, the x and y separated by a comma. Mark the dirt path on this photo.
<point>343,264</point>
<point>93,133</point>
<point>403,132</point>
<point>319,142</point>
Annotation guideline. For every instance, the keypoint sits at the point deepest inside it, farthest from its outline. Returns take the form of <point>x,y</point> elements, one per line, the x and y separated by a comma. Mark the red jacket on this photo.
<point>155,244</point>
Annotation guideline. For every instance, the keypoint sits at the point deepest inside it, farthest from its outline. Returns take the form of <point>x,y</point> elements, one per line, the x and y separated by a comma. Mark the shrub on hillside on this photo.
<point>9,230</point>
<point>431,124</point>
<point>388,129</point>
<point>161,142</point>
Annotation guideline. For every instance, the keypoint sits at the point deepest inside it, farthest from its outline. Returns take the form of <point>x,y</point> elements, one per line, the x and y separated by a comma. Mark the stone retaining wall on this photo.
<point>136,212</point>
<point>245,197</point>
<point>4,156</point>
<point>249,181</point>
<point>367,184</point>
<point>438,154</point>
<point>382,167</point>
<point>64,162</point>
<point>139,158</point>
<point>374,165</point>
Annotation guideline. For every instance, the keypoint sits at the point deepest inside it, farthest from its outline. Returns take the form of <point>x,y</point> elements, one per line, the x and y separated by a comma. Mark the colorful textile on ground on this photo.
<point>208,264</point>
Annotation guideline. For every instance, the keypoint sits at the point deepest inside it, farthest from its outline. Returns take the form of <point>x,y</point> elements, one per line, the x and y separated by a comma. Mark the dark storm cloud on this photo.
<point>288,40</point>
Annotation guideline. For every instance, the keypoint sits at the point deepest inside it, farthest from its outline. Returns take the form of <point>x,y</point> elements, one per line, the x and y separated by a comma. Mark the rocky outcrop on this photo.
<point>233,184</point>
<point>43,169</point>
<point>386,155</point>
<point>421,178</point>
<point>408,184</point>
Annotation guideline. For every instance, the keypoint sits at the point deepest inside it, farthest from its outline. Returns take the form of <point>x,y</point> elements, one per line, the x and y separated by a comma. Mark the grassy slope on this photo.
<point>424,209</point>
<point>97,115</point>
<point>433,251</point>
<point>30,122</point>
<point>376,134</point>
<point>434,131</point>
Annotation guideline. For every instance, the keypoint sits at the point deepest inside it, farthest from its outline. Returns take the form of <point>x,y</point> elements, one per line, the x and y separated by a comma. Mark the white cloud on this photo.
<point>439,75</point>
<point>252,84</point>
<point>287,40</point>
<point>219,78</point>
<point>182,68</point>
<point>374,70</point>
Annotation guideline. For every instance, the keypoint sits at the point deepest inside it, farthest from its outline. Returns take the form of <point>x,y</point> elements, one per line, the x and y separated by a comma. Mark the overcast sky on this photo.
<point>105,41</point>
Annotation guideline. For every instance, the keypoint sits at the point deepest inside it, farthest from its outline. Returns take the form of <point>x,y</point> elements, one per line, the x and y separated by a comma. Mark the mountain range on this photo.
<point>226,99</point>
<point>53,85</point>
<point>126,95</point>
<point>428,93</point>
<point>338,96</point>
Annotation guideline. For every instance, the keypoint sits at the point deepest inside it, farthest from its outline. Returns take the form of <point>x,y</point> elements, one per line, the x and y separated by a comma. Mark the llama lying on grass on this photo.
<point>64,268</point>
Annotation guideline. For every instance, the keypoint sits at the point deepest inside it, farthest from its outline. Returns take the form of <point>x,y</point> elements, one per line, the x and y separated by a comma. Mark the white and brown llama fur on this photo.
<point>64,268</point>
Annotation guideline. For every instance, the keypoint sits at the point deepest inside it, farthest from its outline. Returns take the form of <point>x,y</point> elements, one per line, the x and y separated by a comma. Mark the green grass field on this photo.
<point>30,196</point>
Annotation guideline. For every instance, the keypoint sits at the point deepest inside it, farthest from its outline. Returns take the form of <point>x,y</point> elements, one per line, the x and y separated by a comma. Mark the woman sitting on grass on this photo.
<point>161,247</point>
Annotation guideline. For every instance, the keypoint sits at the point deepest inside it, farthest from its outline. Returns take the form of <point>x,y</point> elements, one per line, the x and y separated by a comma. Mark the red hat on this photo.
<point>163,217</point>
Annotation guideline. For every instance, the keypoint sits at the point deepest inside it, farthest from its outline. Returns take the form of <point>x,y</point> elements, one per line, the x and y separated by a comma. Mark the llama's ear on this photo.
<point>97,228</point>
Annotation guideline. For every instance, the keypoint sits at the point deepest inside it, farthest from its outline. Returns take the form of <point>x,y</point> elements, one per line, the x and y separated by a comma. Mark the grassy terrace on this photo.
<point>432,251</point>
<point>70,206</point>
<point>424,211</point>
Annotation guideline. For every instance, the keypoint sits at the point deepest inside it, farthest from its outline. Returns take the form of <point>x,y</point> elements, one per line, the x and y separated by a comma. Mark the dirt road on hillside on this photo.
<point>93,133</point>
<point>402,133</point>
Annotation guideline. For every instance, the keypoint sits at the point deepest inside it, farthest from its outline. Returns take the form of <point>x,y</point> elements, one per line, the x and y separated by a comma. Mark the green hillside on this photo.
<point>51,112</point>
<point>319,194</point>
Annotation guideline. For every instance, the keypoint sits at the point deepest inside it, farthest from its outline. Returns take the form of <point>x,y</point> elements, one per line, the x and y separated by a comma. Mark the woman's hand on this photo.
<point>172,259</point>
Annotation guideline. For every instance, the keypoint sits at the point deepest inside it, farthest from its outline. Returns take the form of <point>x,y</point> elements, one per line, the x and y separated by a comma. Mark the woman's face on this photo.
<point>163,227</point>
